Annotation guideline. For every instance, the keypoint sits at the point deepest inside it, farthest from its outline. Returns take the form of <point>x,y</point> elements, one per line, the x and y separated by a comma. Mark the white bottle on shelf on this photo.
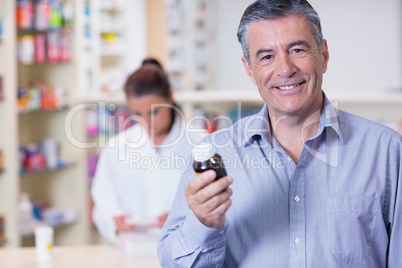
<point>26,218</point>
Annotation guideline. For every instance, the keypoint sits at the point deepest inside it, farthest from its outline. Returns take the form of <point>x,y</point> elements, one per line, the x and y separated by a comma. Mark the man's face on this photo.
<point>286,65</point>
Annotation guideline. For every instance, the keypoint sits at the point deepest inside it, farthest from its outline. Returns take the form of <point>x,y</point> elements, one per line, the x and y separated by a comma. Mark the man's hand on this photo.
<point>209,199</point>
<point>121,225</point>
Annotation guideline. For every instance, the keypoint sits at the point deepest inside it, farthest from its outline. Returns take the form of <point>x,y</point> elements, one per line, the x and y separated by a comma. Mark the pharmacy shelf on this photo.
<point>112,97</point>
<point>42,111</point>
<point>46,170</point>
<point>60,188</point>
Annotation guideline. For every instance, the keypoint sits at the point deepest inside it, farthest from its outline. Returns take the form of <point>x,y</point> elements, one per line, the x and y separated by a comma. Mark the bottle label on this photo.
<point>197,174</point>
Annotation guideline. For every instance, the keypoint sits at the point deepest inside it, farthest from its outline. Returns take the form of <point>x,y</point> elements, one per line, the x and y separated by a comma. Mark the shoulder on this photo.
<point>358,126</point>
<point>132,133</point>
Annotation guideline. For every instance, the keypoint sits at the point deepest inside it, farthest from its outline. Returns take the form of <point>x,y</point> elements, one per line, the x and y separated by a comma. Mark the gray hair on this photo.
<point>274,9</point>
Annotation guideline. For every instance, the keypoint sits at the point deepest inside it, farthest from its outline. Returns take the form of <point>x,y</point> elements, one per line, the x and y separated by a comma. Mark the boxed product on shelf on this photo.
<point>52,47</point>
<point>27,221</point>
<point>110,21</point>
<point>26,49</point>
<point>40,97</point>
<point>24,14</point>
<point>1,160</point>
<point>2,231</point>
<point>112,78</point>
<point>33,159</point>
<point>1,88</point>
<point>38,213</point>
<point>1,29</point>
<point>58,47</point>
<point>42,156</point>
<point>55,216</point>
<point>44,14</point>
<point>40,48</point>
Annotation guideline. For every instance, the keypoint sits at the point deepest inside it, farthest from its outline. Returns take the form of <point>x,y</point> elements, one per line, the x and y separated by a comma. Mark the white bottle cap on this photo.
<point>203,152</point>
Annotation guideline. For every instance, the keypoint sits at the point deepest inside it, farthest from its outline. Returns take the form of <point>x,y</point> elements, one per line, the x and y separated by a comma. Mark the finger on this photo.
<point>216,218</point>
<point>213,189</point>
<point>200,182</point>
<point>216,201</point>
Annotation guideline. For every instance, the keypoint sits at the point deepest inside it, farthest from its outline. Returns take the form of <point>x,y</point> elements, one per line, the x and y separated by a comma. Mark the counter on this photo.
<point>92,256</point>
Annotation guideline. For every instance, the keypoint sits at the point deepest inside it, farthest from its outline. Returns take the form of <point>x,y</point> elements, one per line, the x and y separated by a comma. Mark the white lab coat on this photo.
<point>135,178</point>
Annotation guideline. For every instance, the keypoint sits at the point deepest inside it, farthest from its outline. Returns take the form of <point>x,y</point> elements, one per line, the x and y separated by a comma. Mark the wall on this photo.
<point>136,33</point>
<point>364,39</point>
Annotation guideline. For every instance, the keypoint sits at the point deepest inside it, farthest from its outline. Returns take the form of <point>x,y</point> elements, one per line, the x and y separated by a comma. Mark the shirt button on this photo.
<point>297,241</point>
<point>297,198</point>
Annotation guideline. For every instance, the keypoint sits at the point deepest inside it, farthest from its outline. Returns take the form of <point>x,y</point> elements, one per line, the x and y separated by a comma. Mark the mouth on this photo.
<point>289,87</point>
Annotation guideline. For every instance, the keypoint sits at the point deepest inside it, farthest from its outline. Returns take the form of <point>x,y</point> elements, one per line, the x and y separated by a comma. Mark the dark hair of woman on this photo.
<point>150,78</point>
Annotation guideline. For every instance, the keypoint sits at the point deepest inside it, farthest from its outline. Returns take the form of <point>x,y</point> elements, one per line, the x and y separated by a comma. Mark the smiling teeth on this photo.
<point>288,87</point>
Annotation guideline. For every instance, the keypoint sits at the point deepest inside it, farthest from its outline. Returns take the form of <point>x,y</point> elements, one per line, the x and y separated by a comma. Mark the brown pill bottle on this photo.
<point>205,158</point>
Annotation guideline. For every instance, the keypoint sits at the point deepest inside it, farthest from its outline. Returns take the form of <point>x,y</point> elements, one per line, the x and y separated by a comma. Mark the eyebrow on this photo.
<point>299,43</point>
<point>263,51</point>
<point>295,43</point>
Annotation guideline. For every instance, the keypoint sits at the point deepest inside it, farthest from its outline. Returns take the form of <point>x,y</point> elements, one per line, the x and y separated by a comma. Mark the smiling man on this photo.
<point>329,191</point>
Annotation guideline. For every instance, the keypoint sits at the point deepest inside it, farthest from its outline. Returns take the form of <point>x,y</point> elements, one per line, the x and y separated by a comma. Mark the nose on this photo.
<point>148,121</point>
<point>285,66</point>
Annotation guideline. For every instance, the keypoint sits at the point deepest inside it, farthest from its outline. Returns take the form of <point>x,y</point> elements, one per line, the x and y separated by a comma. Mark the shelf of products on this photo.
<point>106,121</point>
<point>2,232</point>
<point>40,74</point>
<point>40,98</point>
<point>44,31</point>
<point>1,30</point>
<point>113,46</point>
<point>189,41</point>
<point>1,89</point>
<point>41,213</point>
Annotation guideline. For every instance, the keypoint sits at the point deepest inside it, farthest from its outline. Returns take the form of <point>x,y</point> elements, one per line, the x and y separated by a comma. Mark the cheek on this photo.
<point>264,74</point>
<point>162,117</point>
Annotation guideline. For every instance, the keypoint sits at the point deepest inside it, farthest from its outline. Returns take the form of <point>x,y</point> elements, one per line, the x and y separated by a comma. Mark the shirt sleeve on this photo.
<point>105,201</point>
<point>185,241</point>
<point>395,240</point>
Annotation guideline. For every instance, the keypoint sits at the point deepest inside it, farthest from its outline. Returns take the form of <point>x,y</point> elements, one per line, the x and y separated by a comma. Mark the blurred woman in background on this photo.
<point>138,172</point>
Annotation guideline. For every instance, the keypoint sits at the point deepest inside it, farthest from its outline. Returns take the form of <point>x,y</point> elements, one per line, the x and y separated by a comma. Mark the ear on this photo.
<point>325,55</point>
<point>249,70</point>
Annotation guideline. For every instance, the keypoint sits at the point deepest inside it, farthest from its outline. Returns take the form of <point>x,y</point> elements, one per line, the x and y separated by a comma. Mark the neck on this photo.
<point>158,138</point>
<point>292,131</point>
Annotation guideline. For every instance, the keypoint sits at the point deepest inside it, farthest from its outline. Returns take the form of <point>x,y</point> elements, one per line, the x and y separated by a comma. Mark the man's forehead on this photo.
<point>291,21</point>
<point>286,28</point>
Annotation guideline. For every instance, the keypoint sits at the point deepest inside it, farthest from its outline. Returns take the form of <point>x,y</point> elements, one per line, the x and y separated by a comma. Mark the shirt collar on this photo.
<point>258,125</point>
<point>329,118</point>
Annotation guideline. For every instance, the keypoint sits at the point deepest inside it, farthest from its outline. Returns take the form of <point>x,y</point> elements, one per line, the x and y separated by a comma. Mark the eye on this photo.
<point>267,57</point>
<point>298,51</point>
<point>153,112</point>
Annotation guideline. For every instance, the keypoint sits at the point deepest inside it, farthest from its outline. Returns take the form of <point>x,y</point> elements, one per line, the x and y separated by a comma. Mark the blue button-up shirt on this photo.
<point>340,206</point>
